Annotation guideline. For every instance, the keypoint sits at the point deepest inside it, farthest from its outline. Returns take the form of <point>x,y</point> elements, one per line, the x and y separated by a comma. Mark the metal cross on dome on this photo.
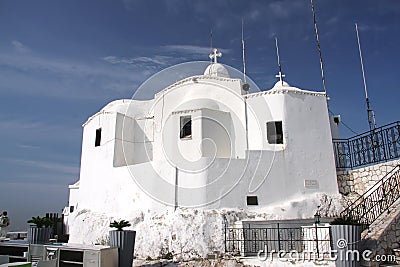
<point>215,55</point>
<point>280,75</point>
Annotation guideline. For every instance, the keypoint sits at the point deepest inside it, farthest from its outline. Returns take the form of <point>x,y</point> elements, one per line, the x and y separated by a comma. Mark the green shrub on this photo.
<point>120,224</point>
<point>41,222</point>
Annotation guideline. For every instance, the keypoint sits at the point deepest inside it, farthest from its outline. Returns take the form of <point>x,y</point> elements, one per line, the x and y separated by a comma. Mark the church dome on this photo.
<point>216,70</point>
<point>281,84</point>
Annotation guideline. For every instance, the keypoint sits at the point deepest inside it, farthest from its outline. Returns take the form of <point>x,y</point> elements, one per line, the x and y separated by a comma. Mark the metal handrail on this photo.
<point>389,125</point>
<point>375,201</point>
<point>379,145</point>
<point>250,240</point>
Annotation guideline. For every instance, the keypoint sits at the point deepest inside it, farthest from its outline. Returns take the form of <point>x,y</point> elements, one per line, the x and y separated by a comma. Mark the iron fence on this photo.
<point>368,207</point>
<point>379,145</point>
<point>250,241</point>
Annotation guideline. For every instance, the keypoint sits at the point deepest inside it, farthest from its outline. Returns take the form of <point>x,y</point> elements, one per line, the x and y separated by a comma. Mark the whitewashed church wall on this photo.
<point>218,137</point>
<point>130,107</point>
<point>132,144</point>
<point>182,96</point>
<point>73,197</point>
<point>176,149</point>
<point>334,128</point>
<point>260,110</point>
<point>302,165</point>
<point>157,182</point>
<point>96,162</point>
<point>124,141</point>
<point>308,151</point>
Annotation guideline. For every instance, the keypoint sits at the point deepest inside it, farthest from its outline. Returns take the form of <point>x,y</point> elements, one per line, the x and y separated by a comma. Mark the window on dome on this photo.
<point>252,200</point>
<point>274,132</point>
<point>186,127</point>
<point>98,137</point>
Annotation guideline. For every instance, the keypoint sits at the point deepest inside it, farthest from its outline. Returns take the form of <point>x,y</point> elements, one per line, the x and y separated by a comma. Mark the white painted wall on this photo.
<point>334,127</point>
<point>221,94</point>
<point>159,170</point>
<point>73,195</point>
<point>218,135</point>
<point>262,108</point>
<point>133,140</point>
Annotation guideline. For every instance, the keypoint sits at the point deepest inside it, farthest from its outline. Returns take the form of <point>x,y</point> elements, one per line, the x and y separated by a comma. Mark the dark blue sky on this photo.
<point>61,61</point>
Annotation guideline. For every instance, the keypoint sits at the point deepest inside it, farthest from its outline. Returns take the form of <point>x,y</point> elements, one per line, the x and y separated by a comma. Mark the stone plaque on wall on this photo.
<point>311,184</point>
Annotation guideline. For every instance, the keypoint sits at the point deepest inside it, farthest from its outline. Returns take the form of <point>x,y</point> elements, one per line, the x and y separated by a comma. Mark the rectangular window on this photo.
<point>252,200</point>
<point>274,132</point>
<point>98,137</point>
<point>186,127</point>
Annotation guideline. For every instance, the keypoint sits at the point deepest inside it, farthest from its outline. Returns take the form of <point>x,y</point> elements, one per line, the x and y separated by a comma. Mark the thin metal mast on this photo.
<point>243,55</point>
<point>279,61</point>
<point>211,44</point>
<point>370,112</point>
<point>319,49</point>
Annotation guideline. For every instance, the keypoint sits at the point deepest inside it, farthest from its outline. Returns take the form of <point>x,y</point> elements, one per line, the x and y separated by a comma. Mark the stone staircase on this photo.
<point>383,235</point>
<point>379,209</point>
<point>377,200</point>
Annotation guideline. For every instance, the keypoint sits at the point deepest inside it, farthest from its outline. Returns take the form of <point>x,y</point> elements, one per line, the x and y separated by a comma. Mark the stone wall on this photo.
<point>390,237</point>
<point>383,235</point>
<point>358,181</point>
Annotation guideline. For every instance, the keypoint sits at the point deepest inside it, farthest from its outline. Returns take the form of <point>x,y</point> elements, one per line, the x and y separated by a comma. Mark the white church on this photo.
<point>205,143</point>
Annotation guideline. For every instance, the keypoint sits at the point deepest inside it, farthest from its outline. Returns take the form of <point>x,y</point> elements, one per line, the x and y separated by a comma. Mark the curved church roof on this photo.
<point>216,70</point>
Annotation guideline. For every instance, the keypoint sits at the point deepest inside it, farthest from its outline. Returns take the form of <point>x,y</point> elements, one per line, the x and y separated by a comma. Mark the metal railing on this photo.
<point>368,207</point>
<point>379,145</point>
<point>250,241</point>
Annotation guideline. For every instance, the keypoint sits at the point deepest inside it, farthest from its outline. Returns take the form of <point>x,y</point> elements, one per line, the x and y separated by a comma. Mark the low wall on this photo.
<point>358,181</point>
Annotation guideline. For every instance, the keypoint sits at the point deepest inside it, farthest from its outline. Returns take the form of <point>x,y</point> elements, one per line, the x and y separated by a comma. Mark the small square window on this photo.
<point>98,137</point>
<point>274,132</point>
<point>186,127</point>
<point>71,209</point>
<point>252,200</point>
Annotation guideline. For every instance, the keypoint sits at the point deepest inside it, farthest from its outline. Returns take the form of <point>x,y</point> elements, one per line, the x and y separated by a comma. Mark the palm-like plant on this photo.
<point>41,221</point>
<point>120,224</point>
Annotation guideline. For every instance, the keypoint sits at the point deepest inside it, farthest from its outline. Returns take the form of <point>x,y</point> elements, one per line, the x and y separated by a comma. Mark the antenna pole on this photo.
<point>279,61</point>
<point>319,49</point>
<point>370,112</point>
<point>211,44</point>
<point>243,55</point>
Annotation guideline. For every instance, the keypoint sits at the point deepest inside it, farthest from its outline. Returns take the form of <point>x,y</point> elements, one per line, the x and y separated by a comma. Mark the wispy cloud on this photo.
<point>128,4</point>
<point>32,73</point>
<point>254,14</point>
<point>333,20</point>
<point>19,46</point>
<point>26,134</point>
<point>19,124</point>
<point>279,9</point>
<point>62,168</point>
<point>27,146</point>
<point>144,61</point>
<point>373,28</point>
<point>164,56</point>
<point>40,172</point>
<point>189,50</point>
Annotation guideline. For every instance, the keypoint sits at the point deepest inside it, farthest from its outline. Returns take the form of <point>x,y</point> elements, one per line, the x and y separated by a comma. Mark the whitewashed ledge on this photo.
<point>244,262</point>
<point>194,263</point>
